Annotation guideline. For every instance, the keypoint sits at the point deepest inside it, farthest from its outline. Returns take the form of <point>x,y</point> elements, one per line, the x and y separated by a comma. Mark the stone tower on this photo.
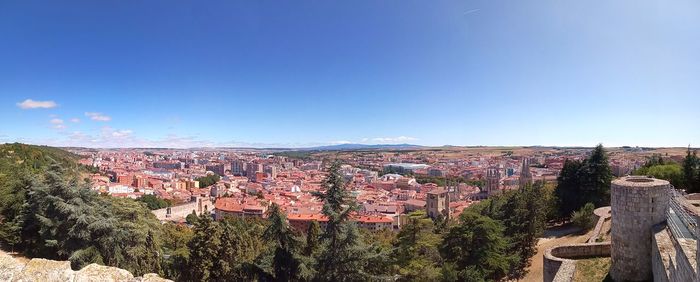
<point>638,203</point>
<point>438,203</point>
<point>493,179</point>
<point>525,174</point>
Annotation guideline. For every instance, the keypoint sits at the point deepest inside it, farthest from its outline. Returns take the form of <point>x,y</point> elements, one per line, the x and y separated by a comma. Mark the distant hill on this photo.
<point>347,147</point>
<point>34,158</point>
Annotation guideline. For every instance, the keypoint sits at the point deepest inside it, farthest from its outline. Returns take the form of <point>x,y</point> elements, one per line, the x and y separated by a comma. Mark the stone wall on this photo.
<point>559,262</point>
<point>40,270</point>
<point>638,203</point>
<point>673,260</point>
<point>180,212</point>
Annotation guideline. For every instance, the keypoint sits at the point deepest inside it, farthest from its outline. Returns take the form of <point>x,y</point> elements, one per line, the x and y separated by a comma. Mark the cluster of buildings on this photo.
<point>385,184</point>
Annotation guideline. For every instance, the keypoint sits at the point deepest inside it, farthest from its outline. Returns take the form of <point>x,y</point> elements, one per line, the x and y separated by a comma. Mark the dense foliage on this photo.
<point>523,214</point>
<point>48,212</point>
<point>671,172</point>
<point>582,182</point>
<point>449,180</point>
<point>206,181</point>
<point>153,203</point>
<point>584,217</point>
<point>34,159</point>
<point>691,172</point>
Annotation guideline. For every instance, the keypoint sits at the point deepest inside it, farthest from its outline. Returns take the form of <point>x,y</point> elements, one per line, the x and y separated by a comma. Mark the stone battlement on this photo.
<point>13,269</point>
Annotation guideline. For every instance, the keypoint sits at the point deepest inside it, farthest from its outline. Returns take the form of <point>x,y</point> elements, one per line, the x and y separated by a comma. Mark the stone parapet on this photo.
<point>38,269</point>
<point>559,262</point>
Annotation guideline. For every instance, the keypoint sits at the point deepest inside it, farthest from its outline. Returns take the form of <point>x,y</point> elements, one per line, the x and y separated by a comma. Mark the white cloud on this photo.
<point>31,104</point>
<point>75,120</point>
<point>57,123</point>
<point>108,132</point>
<point>97,116</point>
<point>121,133</point>
<point>339,142</point>
<point>394,139</point>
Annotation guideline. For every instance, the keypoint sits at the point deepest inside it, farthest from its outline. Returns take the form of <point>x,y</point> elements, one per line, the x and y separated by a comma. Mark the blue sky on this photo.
<point>302,73</point>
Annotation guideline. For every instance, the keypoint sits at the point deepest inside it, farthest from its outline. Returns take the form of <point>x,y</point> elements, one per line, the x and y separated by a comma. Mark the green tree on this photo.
<point>597,177</point>
<point>206,181</point>
<point>153,202</point>
<point>151,260</point>
<point>63,219</point>
<point>192,218</point>
<point>13,186</point>
<point>524,219</point>
<point>344,257</point>
<point>671,172</point>
<point>583,182</point>
<point>476,250</point>
<point>174,247</point>
<point>416,249</point>
<point>204,248</point>
<point>241,244</point>
<point>286,264</point>
<point>568,187</point>
<point>691,165</point>
<point>313,234</point>
<point>583,218</point>
<point>523,215</point>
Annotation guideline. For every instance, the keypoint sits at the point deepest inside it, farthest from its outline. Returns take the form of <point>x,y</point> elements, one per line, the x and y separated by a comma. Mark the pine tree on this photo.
<point>476,249</point>
<point>204,248</point>
<point>286,264</point>
<point>416,249</point>
<point>152,256</point>
<point>241,243</point>
<point>344,256</point>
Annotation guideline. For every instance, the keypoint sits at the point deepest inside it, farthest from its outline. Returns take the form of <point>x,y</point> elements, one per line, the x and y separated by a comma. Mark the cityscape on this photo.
<point>333,141</point>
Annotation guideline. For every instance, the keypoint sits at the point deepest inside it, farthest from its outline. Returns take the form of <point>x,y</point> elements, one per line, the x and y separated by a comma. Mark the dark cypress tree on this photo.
<point>690,172</point>
<point>584,182</point>
<point>597,177</point>
<point>568,189</point>
<point>312,239</point>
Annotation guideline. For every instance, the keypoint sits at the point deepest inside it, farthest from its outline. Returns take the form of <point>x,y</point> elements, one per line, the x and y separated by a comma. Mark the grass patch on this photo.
<point>594,269</point>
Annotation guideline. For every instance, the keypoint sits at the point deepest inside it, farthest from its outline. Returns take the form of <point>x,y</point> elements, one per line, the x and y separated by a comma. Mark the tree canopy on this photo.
<point>582,182</point>
<point>206,181</point>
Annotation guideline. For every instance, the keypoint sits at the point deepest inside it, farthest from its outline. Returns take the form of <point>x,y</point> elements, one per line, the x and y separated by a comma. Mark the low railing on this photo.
<point>681,223</point>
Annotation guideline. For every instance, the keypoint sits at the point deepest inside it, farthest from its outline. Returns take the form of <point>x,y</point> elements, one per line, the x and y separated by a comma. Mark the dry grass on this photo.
<point>594,269</point>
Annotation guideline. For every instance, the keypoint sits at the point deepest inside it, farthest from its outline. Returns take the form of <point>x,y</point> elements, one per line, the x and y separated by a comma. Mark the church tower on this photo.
<point>525,174</point>
<point>493,179</point>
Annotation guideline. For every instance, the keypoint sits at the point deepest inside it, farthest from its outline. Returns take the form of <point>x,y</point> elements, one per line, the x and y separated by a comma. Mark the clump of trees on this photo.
<point>153,203</point>
<point>658,168</point>
<point>582,182</point>
<point>57,216</point>
<point>208,180</point>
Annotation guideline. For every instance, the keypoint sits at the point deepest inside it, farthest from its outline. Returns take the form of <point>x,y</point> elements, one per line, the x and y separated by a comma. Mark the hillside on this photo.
<point>34,158</point>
